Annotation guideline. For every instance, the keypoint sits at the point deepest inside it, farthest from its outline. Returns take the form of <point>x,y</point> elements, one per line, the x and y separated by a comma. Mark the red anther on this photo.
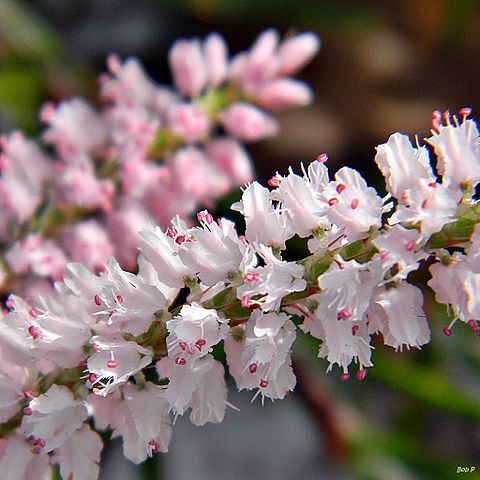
<point>182,345</point>
<point>424,203</point>
<point>354,203</point>
<point>119,299</point>
<point>274,182</point>
<point>35,450</point>
<point>252,368</point>
<point>436,124</point>
<point>46,112</point>
<point>92,378</point>
<point>355,329</point>
<point>446,115</point>
<point>345,377</point>
<point>96,348</point>
<point>409,246</point>
<point>404,196</point>
<point>473,325</point>
<point>112,364</point>
<point>82,364</point>
<point>41,442</point>
<point>322,158</point>
<point>9,303</point>
<point>28,394</point>
<point>251,277</point>
<point>200,343</point>
<point>433,184</point>
<point>465,111</point>
<point>333,201</point>
<point>30,438</point>
<point>34,332</point>
<point>180,361</point>
<point>242,238</point>
<point>263,383</point>
<point>344,314</point>
<point>27,411</point>
<point>340,188</point>
<point>383,254</point>
<point>245,301</point>
<point>33,312</point>
<point>180,239</point>
<point>97,300</point>
<point>447,331</point>
<point>437,114</point>
<point>171,232</point>
<point>361,374</point>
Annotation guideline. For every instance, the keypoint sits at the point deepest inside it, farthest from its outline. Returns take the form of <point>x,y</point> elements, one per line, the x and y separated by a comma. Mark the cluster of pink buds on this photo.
<point>82,351</point>
<point>151,152</point>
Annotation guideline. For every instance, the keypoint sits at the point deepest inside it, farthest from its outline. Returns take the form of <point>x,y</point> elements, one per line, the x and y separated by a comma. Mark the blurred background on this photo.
<point>384,66</point>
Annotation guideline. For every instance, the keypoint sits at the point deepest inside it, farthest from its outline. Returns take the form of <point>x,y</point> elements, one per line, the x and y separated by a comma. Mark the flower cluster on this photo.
<point>152,152</point>
<point>87,349</point>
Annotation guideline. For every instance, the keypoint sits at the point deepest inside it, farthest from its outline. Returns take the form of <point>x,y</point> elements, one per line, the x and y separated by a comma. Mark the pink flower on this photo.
<point>188,121</point>
<point>295,52</point>
<point>188,67</point>
<point>216,53</point>
<point>284,93</point>
<point>248,123</point>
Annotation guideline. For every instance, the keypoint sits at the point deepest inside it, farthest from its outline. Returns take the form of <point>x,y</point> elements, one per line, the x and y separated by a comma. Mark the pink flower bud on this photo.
<point>284,93</point>
<point>216,52</point>
<point>188,121</point>
<point>248,123</point>
<point>188,67</point>
<point>297,51</point>
<point>233,160</point>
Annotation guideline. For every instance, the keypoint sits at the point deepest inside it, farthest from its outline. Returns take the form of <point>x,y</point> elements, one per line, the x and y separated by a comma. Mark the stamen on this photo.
<point>333,201</point>
<point>200,343</point>
<point>180,361</point>
<point>354,203</point>
<point>27,411</point>
<point>28,394</point>
<point>344,314</point>
<point>112,364</point>
<point>97,300</point>
<point>355,329</point>
<point>409,246</point>
<point>322,158</point>
<point>345,377</point>
<point>263,383</point>
<point>33,331</point>
<point>361,374</point>
<point>33,312</point>
<point>252,368</point>
<point>245,301</point>
<point>340,188</point>
<point>274,182</point>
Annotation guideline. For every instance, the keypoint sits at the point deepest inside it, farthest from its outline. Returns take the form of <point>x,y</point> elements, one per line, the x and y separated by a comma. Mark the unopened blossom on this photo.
<point>248,123</point>
<point>74,127</point>
<point>188,121</point>
<point>266,223</point>
<point>284,93</point>
<point>216,52</point>
<point>188,67</point>
<point>297,51</point>
<point>231,159</point>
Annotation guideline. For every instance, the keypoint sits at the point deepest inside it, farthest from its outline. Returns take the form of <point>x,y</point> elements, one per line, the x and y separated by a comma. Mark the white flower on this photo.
<point>458,151</point>
<point>215,252</point>
<point>114,362</point>
<point>161,251</point>
<point>193,333</point>
<point>265,223</point>
<point>353,205</point>
<point>200,386</point>
<point>263,358</point>
<point>398,314</point>
<point>430,205</point>
<point>271,282</point>
<point>19,462</point>
<point>403,165</point>
<point>301,200</point>
<point>54,417</point>
<point>79,456</point>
